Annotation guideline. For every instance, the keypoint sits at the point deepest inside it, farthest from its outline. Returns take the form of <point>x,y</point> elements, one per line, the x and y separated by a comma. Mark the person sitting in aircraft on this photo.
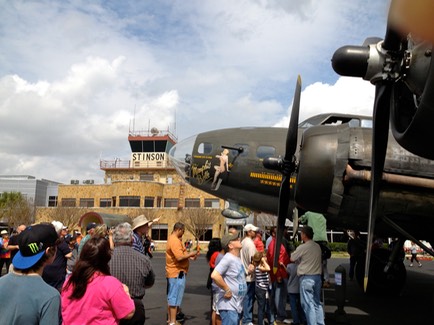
<point>223,167</point>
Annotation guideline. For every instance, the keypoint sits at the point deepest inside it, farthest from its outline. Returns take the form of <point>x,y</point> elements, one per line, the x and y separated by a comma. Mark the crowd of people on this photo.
<point>107,272</point>
<point>55,277</point>
<point>242,273</point>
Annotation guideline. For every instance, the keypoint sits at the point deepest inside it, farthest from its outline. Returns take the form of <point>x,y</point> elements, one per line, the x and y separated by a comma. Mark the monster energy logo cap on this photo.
<point>32,243</point>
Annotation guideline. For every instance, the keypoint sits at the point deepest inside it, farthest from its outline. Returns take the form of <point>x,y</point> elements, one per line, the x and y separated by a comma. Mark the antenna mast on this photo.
<point>134,118</point>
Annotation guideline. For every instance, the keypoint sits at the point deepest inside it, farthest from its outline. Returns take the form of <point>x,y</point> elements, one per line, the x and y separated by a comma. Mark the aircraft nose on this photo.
<point>180,157</point>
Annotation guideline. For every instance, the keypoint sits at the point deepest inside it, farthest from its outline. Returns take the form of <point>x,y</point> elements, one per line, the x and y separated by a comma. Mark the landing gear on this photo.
<point>390,282</point>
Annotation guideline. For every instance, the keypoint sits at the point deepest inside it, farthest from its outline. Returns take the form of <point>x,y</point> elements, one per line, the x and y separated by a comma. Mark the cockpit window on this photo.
<point>265,151</point>
<point>204,148</point>
<point>245,151</point>
<point>181,156</point>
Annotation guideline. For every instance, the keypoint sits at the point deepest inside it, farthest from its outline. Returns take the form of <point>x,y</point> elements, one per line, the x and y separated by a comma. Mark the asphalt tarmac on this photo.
<point>414,306</point>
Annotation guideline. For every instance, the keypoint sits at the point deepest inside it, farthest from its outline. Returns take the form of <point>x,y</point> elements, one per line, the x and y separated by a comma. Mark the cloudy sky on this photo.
<point>77,75</point>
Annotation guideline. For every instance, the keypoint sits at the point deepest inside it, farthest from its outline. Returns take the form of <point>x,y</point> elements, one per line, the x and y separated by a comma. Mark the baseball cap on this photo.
<point>58,226</point>
<point>4,232</point>
<point>249,227</point>
<point>32,243</point>
<point>91,225</point>
<point>227,239</point>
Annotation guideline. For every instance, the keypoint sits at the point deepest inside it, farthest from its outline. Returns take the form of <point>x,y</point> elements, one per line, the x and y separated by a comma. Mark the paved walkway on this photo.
<point>414,306</point>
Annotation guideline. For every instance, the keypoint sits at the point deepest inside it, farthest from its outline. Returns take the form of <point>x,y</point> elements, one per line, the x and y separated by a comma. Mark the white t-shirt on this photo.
<point>232,271</point>
<point>248,250</point>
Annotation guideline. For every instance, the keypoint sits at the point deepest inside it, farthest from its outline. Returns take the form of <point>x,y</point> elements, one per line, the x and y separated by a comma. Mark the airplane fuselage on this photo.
<point>333,176</point>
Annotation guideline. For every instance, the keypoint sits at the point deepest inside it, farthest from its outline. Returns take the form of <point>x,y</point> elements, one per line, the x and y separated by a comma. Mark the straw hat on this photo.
<point>140,221</point>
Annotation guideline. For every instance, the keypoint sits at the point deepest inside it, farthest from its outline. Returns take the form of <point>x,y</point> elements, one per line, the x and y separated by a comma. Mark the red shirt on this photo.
<point>212,259</point>
<point>283,258</point>
<point>259,244</point>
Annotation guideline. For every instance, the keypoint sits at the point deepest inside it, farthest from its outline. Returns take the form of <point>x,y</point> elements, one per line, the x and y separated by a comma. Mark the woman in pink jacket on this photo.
<point>91,295</point>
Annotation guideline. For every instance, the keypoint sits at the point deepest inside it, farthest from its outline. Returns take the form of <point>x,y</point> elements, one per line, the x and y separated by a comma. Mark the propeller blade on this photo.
<point>291,138</point>
<point>287,169</point>
<point>380,135</point>
<point>294,223</point>
<point>281,219</point>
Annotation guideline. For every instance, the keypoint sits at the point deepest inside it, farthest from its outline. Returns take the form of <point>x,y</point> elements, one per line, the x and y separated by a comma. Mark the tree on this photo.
<point>266,220</point>
<point>150,214</point>
<point>69,216</point>
<point>15,209</point>
<point>198,221</point>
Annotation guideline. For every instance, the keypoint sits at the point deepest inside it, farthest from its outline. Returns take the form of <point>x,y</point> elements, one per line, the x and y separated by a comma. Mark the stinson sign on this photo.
<point>148,156</point>
<point>148,159</point>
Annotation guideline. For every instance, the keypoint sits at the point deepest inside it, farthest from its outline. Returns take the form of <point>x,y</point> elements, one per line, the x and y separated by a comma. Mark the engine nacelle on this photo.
<point>318,157</point>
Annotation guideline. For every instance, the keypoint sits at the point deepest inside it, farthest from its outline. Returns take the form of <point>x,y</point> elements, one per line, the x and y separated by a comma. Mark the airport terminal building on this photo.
<point>147,184</point>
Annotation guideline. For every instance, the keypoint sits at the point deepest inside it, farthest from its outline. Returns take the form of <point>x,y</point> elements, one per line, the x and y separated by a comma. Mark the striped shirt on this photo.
<point>262,279</point>
<point>133,269</point>
<point>137,243</point>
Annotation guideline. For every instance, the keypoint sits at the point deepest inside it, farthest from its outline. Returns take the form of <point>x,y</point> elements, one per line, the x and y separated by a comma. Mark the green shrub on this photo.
<point>334,247</point>
<point>338,247</point>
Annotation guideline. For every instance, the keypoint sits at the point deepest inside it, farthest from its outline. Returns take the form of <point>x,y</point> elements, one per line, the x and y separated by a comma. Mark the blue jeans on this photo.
<point>263,306</point>
<point>296,310</point>
<point>230,317</point>
<point>278,297</point>
<point>248,303</point>
<point>310,293</point>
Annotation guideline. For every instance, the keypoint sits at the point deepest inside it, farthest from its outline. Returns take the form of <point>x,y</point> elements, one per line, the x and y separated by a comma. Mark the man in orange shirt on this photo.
<point>177,263</point>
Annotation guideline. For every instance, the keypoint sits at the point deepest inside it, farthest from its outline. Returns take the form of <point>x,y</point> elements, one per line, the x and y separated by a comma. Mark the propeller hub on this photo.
<point>273,163</point>
<point>351,61</point>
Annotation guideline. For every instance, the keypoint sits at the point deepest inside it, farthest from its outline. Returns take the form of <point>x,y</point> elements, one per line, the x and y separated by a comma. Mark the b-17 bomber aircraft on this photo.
<point>332,176</point>
<point>353,169</point>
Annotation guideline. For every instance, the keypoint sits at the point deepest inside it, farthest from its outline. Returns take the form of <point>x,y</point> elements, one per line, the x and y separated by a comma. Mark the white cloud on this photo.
<point>347,95</point>
<point>75,76</point>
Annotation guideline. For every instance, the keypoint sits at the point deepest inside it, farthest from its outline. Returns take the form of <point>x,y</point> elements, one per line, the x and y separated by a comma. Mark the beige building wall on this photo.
<point>166,184</point>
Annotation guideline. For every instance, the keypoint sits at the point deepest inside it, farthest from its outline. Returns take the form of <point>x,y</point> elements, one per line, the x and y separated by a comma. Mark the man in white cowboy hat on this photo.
<point>141,226</point>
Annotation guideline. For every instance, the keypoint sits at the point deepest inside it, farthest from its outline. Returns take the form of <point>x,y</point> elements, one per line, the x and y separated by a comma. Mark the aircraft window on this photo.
<point>265,151</point>
<point>367,124</point>
<point>238,145</point>
<point>354,123</point>
<point>204,148</point>
<point>305,125</point>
